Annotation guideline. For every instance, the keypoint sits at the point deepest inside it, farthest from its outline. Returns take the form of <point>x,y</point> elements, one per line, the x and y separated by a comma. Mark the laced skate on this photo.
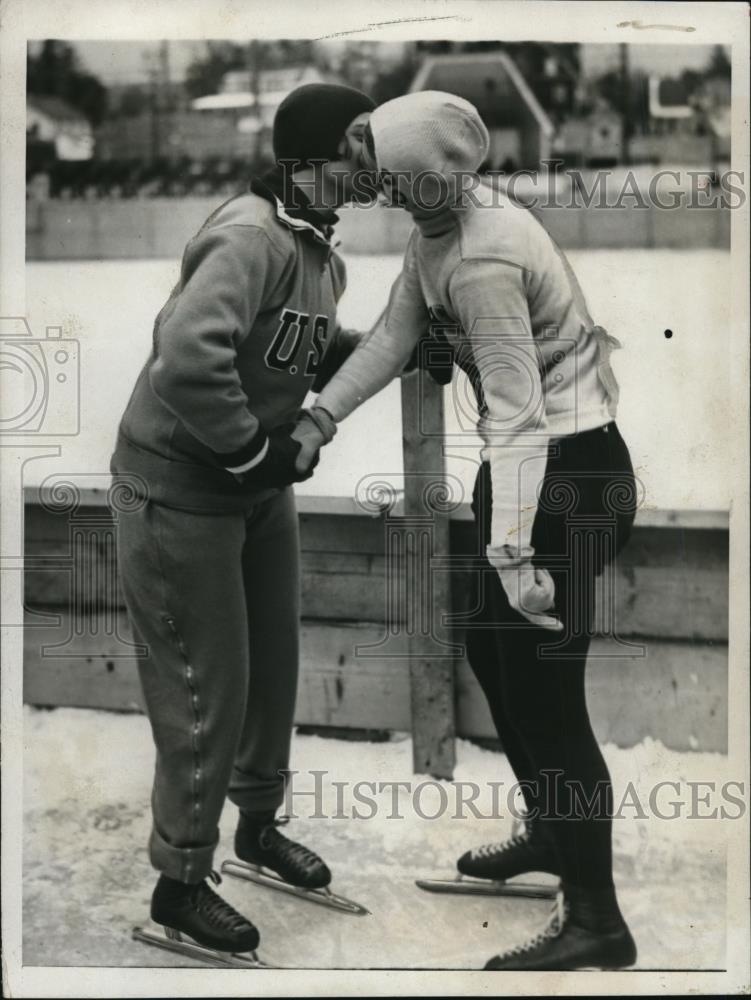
<point>486,870</point>
<point>565,944</point>
<point>268,858</point>
<point>193,921</point>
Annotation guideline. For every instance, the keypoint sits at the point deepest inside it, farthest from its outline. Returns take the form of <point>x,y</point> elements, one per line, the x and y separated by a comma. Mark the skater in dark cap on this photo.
<point>209,562</point>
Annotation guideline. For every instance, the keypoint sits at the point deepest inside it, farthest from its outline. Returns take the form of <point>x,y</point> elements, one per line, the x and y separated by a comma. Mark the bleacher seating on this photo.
<point>134,178</point>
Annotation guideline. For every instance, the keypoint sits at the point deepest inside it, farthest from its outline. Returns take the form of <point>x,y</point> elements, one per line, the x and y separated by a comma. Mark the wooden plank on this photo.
<point>326,597</point>
<point>692,550</point>
<point>671,603</point>
<point>342,563</point>
<point>48,532</point>
<point>426,535</point>
<point>676,694</point>
<point>337,688</point>
<point>346,506</point>
<point>331,533</point>
<point>664,603</point>
<point>151,228</point>
<point>669,583</point>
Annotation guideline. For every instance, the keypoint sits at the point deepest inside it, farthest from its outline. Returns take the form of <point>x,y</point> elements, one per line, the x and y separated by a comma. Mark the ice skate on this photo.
<point>487,870</point>
<point>193,921</point>
<point>576,937</point>
<point>270,859</point>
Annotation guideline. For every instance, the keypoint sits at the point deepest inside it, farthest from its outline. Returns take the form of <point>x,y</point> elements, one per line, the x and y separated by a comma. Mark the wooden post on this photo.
<point>426,525</point>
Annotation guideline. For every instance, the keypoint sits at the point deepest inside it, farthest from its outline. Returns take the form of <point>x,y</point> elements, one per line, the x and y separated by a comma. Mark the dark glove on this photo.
<point>277,468</point>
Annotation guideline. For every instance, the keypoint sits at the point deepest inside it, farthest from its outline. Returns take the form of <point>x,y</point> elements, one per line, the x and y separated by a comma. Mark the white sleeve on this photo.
<point>388,347</point>
<point>489,299</point>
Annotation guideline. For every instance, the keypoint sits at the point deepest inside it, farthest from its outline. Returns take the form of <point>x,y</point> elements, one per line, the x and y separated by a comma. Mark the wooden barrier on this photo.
<point>671,599</point>
<point>160,228</point>
<point>426,537</point>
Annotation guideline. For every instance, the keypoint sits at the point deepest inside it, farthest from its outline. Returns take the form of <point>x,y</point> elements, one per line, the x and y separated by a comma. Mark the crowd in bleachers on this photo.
<point>136,178</point>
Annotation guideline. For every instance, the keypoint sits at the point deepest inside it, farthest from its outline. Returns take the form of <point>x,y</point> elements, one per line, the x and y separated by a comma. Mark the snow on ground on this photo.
<point>87,879</point>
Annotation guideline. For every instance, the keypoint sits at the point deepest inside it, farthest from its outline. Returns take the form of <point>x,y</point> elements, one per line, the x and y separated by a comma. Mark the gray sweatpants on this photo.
<point>215,599</point>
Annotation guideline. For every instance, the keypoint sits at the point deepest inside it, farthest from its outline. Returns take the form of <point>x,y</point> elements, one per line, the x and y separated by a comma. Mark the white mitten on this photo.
<point>530,590</point>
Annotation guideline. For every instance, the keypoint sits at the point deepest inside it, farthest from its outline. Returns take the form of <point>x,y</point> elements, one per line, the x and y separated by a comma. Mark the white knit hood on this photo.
<point>429,131</point>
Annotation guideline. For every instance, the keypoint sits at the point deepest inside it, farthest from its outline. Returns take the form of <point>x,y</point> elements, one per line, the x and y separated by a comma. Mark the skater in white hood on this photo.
<point>554,498</point>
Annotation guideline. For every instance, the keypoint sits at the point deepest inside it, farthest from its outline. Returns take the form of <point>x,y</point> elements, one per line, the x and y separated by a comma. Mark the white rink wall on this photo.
<point>672,390</point>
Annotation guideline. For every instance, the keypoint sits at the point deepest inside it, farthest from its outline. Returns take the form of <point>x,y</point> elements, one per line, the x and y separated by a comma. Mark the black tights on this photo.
<point>536,693</point>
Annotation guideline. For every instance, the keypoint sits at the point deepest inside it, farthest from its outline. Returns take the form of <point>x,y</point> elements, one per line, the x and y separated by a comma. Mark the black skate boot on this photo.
<point>586,931</point>
<point>270,859</point>
<point>487,870</point>
<point>259,842</point>
<point>527,850</point>
<point>215,931</point>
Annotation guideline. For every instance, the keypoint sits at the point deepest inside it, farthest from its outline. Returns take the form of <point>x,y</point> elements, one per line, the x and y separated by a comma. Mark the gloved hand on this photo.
<point>314,429</point>
<point>530,590</point>
<point>278,467</point>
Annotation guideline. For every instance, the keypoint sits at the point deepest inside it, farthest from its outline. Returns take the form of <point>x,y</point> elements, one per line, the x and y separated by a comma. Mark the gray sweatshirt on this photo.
<point>247,332</point>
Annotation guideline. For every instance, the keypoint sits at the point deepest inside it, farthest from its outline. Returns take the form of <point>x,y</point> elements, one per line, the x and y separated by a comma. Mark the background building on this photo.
<point>53,121</point>
<point>521,131</point>
<point>179,118</point>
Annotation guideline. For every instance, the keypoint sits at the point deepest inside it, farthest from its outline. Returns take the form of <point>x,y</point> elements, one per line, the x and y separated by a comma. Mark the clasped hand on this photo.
<point>311,439</point>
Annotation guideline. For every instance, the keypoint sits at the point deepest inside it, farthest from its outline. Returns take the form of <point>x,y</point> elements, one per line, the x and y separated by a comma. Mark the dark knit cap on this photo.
<point>311,121</point>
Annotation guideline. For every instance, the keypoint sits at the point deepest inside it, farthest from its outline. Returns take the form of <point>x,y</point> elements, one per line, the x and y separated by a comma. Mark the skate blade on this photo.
<point>184,945</point>
<point>324,897</point>
<point>486,887</point>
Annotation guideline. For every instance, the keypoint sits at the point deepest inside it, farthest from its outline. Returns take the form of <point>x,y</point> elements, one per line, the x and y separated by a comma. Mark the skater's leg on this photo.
<point>271,579</point>
<point>546,698</point>
<point>182,582</point>
<point>484,654</point>
<point>271,574</point>
<point>484,643</point>
<point>544,674</point>
<point>530,850</point>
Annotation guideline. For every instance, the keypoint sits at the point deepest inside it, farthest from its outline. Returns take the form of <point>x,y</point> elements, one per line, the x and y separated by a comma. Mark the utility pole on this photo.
<point>165,84</point>
<point>154,111</point>
<point>154,65</point>
<point>626,123</point>
<point>254,66</point>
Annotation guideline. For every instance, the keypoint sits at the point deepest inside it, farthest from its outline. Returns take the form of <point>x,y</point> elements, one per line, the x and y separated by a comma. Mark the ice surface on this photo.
<point>87,877</point>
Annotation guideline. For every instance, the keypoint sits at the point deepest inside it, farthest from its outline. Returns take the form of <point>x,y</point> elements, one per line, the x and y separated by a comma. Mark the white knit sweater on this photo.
<point>511,308</point>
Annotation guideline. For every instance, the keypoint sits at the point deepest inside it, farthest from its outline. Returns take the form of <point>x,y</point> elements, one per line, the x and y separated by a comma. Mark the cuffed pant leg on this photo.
<point>271,571</point>
<point>182,580</point>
